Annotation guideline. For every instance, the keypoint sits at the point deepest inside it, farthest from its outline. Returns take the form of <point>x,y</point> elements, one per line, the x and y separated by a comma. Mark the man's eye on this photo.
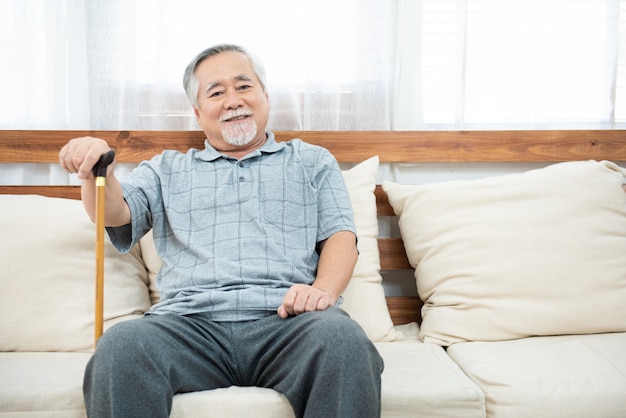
<point>244,87</point>
<point>215,94</point>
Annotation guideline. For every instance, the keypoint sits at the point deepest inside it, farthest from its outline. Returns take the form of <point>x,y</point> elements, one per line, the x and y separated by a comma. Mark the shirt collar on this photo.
<point>270,146</point>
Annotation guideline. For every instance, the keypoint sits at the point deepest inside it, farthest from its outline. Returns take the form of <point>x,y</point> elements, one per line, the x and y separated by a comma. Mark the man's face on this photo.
<point>232,107</point>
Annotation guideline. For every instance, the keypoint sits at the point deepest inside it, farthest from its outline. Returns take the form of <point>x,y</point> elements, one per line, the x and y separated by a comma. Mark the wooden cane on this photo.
<point>100,171</point>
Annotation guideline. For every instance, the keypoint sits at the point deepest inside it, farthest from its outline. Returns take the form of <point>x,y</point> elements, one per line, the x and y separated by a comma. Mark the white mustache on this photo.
<point>235,114</point>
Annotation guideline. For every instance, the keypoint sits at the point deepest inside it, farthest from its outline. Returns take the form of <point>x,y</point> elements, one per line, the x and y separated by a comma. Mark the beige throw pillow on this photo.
<point>538,253</point>
<point>364,299</point>
<point>47,276</point>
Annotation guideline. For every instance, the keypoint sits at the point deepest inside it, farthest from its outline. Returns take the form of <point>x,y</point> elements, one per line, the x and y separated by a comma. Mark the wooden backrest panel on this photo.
<point>349,147</point>
<point>67,192</point>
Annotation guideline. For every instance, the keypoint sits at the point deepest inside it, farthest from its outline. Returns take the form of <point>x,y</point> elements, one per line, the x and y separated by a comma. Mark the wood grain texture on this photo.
<point>392,254</point>
<point>68,192</point>
<point>404,309</point>
<point>383,207</point>
<point>351,146</point>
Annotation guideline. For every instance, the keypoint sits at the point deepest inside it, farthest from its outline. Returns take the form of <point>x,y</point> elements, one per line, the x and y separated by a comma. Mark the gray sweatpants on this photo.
<point>322,361</point>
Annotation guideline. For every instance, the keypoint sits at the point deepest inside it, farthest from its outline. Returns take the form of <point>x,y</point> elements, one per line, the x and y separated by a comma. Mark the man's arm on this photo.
<point>79,156</point>
<point>338,256</point>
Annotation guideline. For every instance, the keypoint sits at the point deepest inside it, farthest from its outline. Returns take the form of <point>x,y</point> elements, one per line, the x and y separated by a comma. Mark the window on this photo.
<point>349,64</point>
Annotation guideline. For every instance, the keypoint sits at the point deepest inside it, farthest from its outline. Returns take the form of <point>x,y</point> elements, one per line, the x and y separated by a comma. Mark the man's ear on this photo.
<point>196,112</point>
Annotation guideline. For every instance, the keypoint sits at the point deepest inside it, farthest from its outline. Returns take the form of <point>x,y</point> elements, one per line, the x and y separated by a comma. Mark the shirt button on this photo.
<point>241,165</point>
<point>241,179</point>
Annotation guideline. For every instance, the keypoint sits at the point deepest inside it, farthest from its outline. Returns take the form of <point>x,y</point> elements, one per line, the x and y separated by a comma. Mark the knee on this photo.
<point>119,335</point>
<point>335,339</point>
<point>334,328</point>
<point>119,346</point>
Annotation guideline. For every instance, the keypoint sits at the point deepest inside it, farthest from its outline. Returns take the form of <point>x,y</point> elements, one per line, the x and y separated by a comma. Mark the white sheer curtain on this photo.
<point>322,71</point>
<point>43,64</point>
<point>332,64</point>
<point>506,63</point>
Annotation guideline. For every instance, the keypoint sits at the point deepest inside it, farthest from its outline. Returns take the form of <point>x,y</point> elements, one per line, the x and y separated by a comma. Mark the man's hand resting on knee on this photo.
<point>302,298</point>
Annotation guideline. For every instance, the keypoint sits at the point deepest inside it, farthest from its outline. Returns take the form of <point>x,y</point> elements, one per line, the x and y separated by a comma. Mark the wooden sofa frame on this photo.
<point>545,146</point>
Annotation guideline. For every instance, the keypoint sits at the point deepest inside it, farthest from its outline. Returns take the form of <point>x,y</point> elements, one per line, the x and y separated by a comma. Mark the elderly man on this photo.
<point>258,243</point>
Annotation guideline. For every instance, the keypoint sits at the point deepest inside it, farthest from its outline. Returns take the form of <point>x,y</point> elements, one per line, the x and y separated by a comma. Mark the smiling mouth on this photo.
<point>235,118</point>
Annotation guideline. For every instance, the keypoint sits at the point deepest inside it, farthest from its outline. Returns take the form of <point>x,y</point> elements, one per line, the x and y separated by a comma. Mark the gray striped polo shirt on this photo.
<point>234,235</point>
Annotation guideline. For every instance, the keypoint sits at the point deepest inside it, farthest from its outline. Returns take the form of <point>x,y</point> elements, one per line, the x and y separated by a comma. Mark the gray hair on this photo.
<point>191,83</point>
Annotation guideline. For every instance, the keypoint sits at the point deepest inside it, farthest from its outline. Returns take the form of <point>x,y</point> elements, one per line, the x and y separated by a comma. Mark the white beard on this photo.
<point>240,134</point>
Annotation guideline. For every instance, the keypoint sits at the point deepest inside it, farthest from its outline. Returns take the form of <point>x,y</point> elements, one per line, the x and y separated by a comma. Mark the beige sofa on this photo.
<point>523,279</point>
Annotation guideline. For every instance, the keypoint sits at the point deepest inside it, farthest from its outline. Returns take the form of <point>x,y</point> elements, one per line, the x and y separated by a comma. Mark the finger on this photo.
<point>71,156</point>
<point>288,301</point>
<point>62,154</point>
<point>65,158</point>
<point>312,302</point>
<point>323,303</point>
<point>87,162</point>
<point>301,302</point>
<point>282,312</point>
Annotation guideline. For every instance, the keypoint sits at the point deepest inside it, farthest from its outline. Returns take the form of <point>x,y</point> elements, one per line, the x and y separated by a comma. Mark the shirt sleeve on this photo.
<point>335,210</point>
<point>142,193</point>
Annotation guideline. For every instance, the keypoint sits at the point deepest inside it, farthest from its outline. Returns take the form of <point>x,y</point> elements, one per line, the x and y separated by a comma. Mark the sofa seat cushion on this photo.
<point>45,385</point>
<point>559,376</point>
<point>419,379</point>
<point>234,401</point>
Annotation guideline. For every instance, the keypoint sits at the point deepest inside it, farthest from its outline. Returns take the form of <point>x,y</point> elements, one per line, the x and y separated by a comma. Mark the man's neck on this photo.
<point>240,152</point>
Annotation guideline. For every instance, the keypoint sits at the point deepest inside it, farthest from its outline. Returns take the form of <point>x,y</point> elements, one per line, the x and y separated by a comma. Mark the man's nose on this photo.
<point>232,100</point>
